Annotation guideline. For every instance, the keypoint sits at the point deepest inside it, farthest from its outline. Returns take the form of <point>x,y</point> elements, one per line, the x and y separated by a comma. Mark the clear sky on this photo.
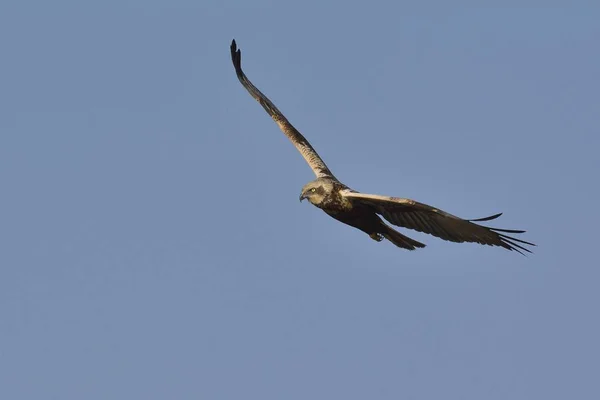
<point>153,246</point>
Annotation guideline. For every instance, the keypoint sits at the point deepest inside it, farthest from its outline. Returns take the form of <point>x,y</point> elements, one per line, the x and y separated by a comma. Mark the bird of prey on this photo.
<point>364,211</point>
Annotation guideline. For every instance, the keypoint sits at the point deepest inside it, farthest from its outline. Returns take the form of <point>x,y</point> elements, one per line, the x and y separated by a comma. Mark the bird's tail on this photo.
<point>400,240</point>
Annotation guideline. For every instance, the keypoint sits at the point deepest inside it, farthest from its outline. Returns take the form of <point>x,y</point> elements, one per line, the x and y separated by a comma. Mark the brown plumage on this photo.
<point>363,211</point>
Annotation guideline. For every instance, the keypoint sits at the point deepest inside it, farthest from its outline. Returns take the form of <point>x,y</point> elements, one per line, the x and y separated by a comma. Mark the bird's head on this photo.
<point>316,191</point>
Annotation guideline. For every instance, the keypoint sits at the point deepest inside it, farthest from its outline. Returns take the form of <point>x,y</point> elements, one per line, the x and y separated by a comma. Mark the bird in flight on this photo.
<point>364,211</point>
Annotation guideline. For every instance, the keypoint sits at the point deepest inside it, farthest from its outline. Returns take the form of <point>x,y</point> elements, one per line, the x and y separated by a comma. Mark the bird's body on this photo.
<point>364,211</point>
<point>329,196</point>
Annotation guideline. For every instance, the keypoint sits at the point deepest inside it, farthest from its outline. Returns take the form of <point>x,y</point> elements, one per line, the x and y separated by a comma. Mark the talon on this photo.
<point>376,236</point>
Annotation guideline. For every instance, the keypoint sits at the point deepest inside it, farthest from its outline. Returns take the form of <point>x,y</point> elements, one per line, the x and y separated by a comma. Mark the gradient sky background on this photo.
<point>153,246</point>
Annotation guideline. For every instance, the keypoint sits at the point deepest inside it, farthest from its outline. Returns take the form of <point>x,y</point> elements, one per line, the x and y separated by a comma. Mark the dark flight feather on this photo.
<point>411,214</point>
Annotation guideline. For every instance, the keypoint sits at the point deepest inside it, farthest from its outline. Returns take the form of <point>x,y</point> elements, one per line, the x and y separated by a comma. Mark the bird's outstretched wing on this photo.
<point>303,146</point>
<point>411,214</point>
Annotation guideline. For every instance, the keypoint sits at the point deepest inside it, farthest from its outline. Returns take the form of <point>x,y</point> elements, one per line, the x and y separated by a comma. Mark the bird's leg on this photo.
<point>376,236</point>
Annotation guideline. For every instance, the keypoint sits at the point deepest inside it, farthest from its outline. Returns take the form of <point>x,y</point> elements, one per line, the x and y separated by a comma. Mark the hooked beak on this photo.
<point>302,197</point>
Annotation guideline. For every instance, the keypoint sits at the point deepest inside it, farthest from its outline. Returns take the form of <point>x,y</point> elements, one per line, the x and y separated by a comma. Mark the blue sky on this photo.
<point>154,246</point>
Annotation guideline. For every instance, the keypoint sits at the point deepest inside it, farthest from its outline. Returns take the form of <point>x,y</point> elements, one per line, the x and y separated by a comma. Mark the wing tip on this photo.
<point>508,242</point>
<point>236,56</point>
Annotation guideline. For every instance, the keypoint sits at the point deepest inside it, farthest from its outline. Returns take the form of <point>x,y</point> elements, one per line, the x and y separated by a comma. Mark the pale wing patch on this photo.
<point>308,153</point>
<point>357,195</point>
<point>396,200</point>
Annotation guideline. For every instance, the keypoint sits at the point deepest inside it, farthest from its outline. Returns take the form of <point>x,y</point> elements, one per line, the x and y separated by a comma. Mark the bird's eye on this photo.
<point>313,190</point>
